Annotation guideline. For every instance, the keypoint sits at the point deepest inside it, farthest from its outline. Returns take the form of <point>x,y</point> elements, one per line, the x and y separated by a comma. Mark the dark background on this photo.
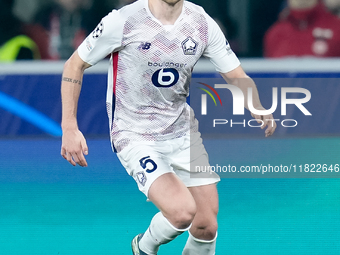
<point>243,21</point>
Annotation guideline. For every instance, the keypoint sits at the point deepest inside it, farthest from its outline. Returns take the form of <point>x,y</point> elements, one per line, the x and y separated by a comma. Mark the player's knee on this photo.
<point>183,219</point>
<point>206,229</point>
<point>183,216</point>
<point>210,231</point>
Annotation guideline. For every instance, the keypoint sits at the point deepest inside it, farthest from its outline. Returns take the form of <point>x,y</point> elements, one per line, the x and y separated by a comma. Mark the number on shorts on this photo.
<point>144,161</point>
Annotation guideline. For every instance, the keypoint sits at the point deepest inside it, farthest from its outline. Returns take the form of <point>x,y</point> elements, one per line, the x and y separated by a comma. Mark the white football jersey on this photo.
<point>150,69</point>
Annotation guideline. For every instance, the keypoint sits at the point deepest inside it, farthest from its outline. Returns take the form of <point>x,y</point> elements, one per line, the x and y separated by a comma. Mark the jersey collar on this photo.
<point>167,27</point>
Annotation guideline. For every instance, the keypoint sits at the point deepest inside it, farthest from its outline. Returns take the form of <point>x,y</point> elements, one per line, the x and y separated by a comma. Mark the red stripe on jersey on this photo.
<point>115,70</point>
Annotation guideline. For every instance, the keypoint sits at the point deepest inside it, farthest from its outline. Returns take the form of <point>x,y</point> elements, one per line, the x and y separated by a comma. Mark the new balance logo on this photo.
<point>144,46</point>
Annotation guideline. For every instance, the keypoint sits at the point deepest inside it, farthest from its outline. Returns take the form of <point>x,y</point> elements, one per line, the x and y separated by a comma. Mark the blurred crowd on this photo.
<point>55,31</point>
<point>303,28</point>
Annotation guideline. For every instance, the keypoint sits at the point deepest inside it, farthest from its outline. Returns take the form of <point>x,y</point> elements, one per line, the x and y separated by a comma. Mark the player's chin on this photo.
<point>172,2</point>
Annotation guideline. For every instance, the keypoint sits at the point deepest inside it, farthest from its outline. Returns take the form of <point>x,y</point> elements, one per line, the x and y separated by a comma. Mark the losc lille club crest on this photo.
<point>189,46</point>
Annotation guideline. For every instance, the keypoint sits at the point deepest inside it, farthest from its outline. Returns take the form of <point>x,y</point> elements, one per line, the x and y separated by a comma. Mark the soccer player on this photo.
<point>154,45</point>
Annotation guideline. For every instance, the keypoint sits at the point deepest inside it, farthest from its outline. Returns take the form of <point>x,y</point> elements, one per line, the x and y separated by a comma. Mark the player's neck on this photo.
<point>166,11</point>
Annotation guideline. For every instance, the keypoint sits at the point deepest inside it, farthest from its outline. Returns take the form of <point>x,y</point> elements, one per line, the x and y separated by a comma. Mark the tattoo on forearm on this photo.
<point>71,80</point>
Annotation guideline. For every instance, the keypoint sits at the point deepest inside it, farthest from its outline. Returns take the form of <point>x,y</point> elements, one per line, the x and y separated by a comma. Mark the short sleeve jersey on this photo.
<point>150,69</point>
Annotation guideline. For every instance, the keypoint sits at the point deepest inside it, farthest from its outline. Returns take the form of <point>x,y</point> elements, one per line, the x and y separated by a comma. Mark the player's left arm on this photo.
<point>240,79</point>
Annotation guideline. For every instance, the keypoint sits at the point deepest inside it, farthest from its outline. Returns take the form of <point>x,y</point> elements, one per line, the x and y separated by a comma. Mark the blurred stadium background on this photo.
<point>243,21</point>
<point>50,207</point>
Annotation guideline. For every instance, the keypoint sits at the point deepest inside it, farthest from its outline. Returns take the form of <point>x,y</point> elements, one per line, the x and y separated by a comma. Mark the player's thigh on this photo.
<point>145,163</point>
<point>155,177</point>
<point>173,199</point>
<point>206,199</point>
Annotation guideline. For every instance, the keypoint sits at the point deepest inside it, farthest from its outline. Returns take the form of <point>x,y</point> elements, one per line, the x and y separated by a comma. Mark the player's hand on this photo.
<point>268,121</point>
<point>74,147</point>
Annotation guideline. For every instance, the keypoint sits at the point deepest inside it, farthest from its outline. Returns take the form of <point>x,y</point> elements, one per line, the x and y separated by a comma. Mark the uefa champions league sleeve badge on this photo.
<point>98,31</point>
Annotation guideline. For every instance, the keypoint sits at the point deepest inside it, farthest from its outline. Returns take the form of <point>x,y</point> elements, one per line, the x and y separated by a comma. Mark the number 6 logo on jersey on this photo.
<point>165,77</point>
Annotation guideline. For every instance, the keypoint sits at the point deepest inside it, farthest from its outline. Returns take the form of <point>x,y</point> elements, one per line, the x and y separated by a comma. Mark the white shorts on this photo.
<point>147,161</point>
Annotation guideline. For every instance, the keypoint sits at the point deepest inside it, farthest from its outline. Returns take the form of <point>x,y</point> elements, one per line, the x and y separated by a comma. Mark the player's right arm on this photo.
<point>74,145</point>
<point>105,39</point>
